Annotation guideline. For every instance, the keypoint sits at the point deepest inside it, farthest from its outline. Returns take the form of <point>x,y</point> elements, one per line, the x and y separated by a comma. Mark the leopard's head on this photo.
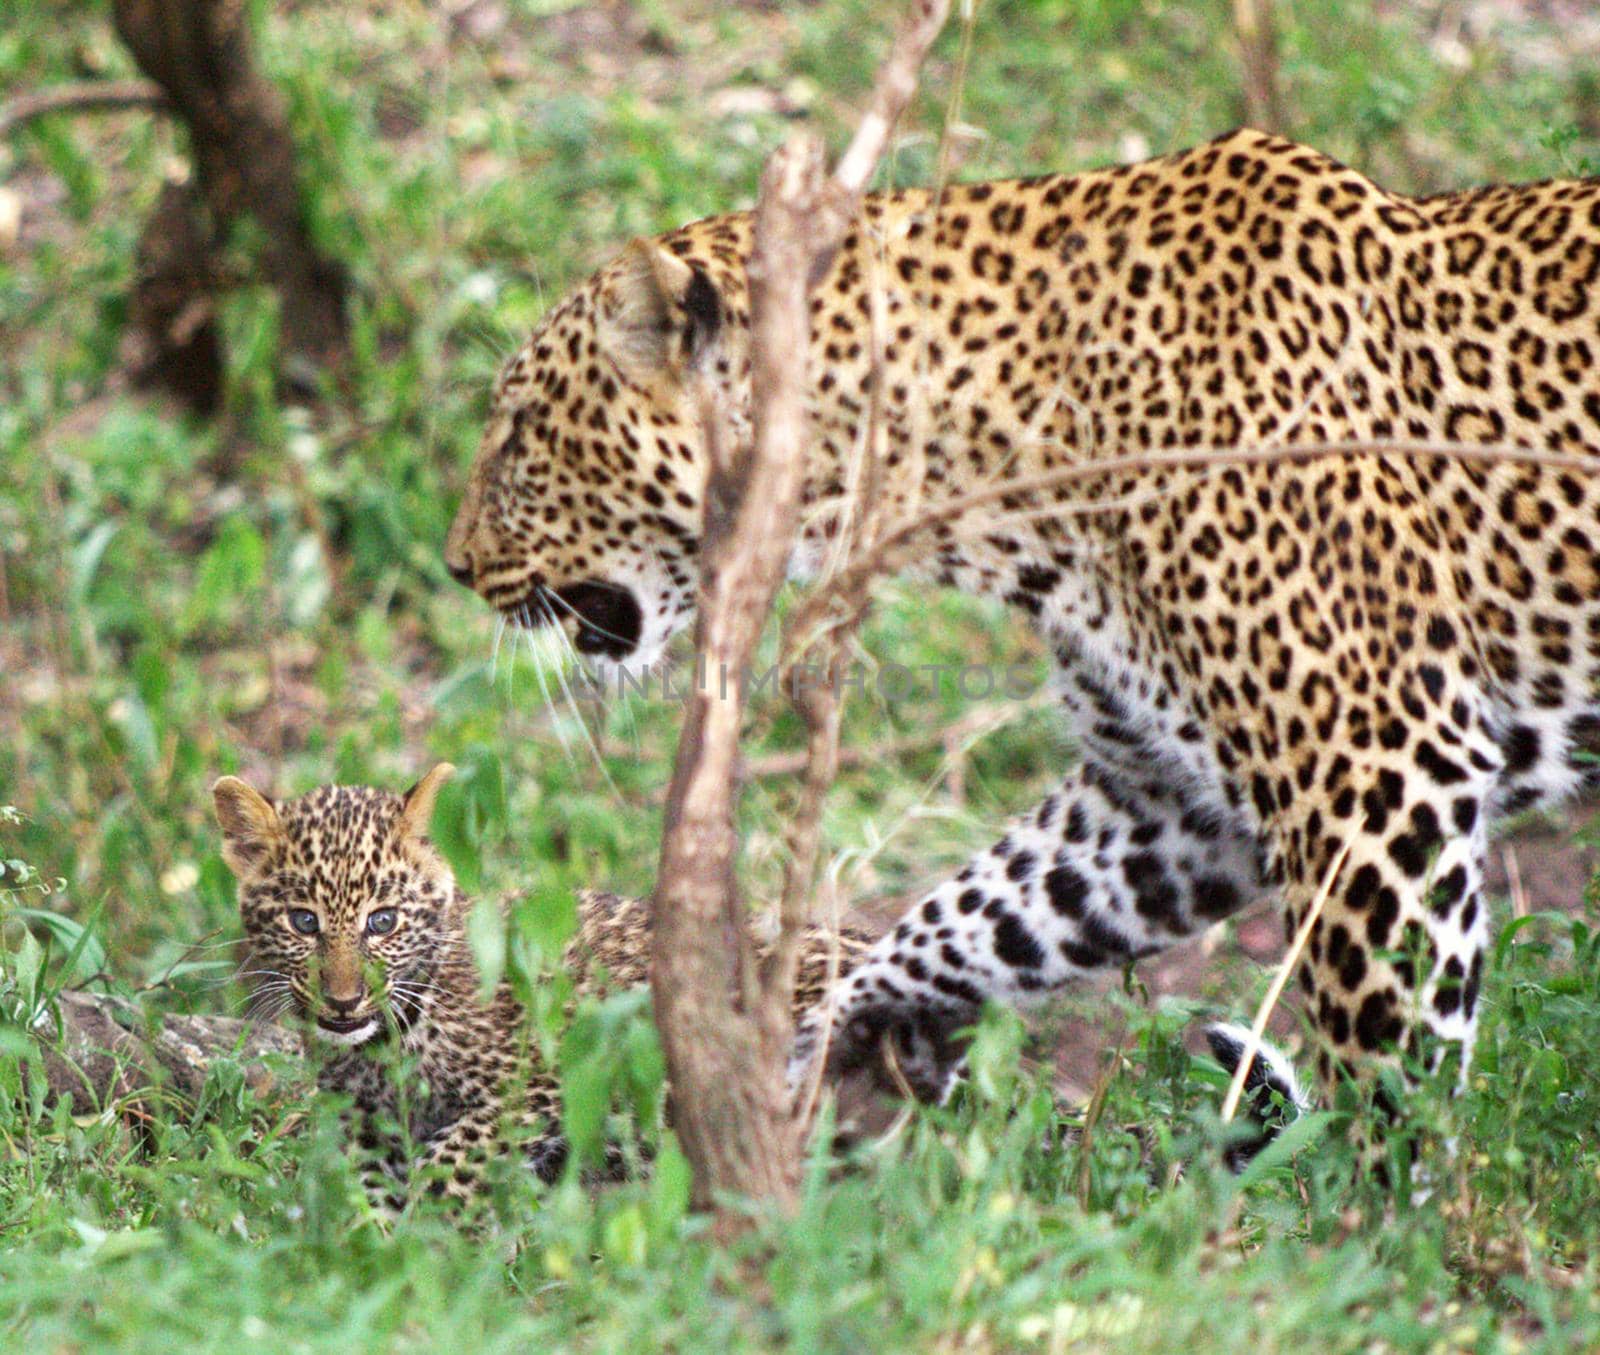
<point>351,917</point>
<point>583,508</point>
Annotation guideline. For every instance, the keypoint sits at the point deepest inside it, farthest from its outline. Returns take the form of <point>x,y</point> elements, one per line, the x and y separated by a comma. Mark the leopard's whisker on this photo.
<point>265,998</point>
<point>416,981</point>
<point>265,983</point>
<point>418,990</point>
<point>195,946</point>
<point>225,981</point>
<point>577,712</point>
<point>494,651</point>
<point>552,719</point>
<point>273,1013</point>
<point>275,982</point>
<point>582,620</point>
<point>278,1003</point>
<point>600,689</point>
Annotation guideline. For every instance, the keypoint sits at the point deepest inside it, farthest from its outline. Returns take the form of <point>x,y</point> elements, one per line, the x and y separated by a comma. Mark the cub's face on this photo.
<point>583,507</point>
<point>347,908</point>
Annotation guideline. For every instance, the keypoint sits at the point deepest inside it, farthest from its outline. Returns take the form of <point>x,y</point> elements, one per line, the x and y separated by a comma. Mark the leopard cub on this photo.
<point>354,923</point>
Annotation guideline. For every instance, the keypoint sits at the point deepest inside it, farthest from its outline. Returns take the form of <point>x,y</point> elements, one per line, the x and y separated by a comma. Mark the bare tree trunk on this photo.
<point>724,1031</point>
<point>198,52</point>
<point>173,339</point>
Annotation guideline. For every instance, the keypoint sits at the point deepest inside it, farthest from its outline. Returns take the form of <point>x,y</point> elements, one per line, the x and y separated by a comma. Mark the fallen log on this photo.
<point>108,1052</point>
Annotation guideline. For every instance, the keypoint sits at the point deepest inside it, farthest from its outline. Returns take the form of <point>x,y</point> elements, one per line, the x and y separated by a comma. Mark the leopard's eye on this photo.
<point>304,921</point>
<point>380,922</point>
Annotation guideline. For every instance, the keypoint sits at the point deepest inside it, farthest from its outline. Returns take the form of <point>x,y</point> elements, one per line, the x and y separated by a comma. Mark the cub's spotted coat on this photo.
<point>1264,664</point>
<point>354,922</point>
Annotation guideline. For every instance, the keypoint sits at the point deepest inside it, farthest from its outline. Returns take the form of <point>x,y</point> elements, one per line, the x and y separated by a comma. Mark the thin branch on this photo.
<point>887,555</point>
<point>1258,50</point>
<point>978,723</point>
<point>893,91</point>
<point>92,96</point>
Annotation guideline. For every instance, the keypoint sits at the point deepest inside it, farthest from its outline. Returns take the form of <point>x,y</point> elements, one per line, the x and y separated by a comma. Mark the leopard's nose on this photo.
<point>342,1006</point>
<point>458,553</point>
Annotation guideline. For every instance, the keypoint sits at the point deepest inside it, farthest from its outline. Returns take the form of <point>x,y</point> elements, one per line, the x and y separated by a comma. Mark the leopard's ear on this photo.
<point>656,315</point>
<point>251,829</point>
<point>417,812</point>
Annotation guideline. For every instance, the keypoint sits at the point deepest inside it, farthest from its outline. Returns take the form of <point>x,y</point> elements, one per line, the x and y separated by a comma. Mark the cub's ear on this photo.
<point>251,829</point>
<point>656,315</point>
<point>417,812</point>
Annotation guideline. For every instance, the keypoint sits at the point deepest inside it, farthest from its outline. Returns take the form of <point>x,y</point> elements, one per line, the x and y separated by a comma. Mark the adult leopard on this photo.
<point>1265,664</point>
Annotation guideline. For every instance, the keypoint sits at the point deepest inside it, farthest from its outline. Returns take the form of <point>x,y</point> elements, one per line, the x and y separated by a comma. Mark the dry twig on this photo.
<point>1230,1103</point>
<point>89,96</point>
<point>1258,50</point>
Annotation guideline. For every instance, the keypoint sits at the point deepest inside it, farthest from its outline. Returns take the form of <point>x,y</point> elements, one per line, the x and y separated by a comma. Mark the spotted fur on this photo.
<point>1263,664</point>
<point>314,872</point>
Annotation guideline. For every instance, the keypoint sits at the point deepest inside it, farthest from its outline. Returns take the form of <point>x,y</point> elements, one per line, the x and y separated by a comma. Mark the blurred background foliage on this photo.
<point>263,592</point>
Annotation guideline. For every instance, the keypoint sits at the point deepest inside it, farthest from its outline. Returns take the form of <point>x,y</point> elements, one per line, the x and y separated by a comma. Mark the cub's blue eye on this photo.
<point>380,922</point>
<point>304,921</point>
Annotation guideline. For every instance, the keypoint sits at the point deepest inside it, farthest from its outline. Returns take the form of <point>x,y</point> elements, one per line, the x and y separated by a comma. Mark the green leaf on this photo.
<point>27,966</point>
<point>152,673</point>
<point>470,810</point>
<point>547,918</point>
<point>132,716</point>
<point>451,833</point>
<point>488,783</point>
<point>644,1062</point>
<point>87,554</point>
<point>671,1183</point>
<point>101,1247</point>
<point>625,1238</point>
<point>85,955</point>
<point>1299,1133</point>
<point>486,933</point>
<point>17,1044</point>
<point>586,1075</point>
<point>995,1052</point>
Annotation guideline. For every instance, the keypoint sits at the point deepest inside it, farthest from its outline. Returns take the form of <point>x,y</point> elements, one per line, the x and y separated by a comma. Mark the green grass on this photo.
<point>265,595</point>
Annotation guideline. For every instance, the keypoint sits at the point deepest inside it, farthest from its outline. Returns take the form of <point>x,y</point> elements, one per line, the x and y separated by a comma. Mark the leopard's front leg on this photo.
<point>1394,961</point>
<point>1105,871</point>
